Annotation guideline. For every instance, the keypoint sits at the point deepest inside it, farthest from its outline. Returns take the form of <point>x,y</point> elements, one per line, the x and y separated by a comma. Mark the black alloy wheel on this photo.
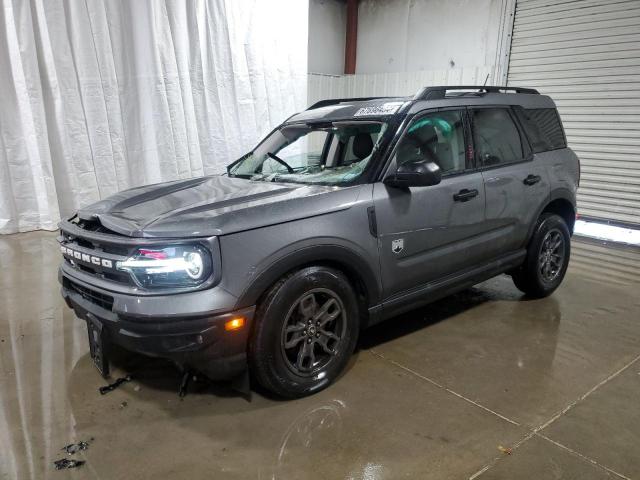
<point>306,327</point>
<point>551,255</point>
<point>313,330</point>
<point>547,257</point>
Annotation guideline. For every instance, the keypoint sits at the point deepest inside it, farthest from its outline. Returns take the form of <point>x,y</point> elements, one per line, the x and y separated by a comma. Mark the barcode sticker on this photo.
<point>384,109</point>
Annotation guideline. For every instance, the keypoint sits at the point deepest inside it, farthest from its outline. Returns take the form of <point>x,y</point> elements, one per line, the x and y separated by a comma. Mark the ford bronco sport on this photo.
<point>347,214</point>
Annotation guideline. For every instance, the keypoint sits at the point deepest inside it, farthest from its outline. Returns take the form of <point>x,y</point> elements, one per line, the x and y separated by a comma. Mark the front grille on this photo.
<point>106,247</point>
<point>95,226</point>
<point>114,276</point>
<point>96,246</point>
<point>97,298</point>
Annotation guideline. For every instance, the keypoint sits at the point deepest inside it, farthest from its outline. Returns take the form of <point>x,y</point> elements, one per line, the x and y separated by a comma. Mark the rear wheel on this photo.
<point>547,257</point>
<point>306,329</point>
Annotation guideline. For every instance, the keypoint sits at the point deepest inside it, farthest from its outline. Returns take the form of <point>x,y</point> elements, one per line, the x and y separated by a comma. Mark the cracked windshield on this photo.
<point>329,154</point>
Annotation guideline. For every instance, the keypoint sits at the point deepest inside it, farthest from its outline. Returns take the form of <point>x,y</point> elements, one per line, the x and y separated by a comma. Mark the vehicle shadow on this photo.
<point>497,289</point>
<point>161,375</point>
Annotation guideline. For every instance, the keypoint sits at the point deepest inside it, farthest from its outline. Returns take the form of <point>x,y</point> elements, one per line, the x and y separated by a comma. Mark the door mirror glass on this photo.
<point>415,173</point>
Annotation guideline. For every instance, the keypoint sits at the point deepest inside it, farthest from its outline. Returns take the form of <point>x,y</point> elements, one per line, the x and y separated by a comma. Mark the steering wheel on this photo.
<point>280,161</point>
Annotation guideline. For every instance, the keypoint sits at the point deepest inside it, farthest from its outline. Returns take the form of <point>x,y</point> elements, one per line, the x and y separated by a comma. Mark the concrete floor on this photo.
<point>441,392</point>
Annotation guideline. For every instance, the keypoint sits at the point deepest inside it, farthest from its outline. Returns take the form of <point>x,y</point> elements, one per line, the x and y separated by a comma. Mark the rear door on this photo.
<point>426,233</point>
<point>516,186</point>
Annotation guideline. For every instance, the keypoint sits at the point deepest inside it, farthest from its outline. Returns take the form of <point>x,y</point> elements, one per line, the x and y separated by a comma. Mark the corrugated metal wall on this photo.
<point>586,55</point>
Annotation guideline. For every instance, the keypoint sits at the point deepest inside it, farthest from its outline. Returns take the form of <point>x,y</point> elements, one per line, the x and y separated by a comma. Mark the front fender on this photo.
<point>346,258</point>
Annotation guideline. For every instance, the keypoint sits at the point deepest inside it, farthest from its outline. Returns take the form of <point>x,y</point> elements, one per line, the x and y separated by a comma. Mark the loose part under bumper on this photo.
<point>214,345</point>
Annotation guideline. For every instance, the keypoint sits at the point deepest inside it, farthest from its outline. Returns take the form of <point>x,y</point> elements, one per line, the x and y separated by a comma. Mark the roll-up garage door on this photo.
<point>585,54</point>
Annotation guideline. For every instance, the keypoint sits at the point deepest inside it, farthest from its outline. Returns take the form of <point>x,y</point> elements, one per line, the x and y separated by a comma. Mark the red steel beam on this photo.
<point>351,42</point>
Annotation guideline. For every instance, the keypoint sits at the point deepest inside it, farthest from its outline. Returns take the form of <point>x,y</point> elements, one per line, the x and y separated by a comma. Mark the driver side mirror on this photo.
<point>416,173</point>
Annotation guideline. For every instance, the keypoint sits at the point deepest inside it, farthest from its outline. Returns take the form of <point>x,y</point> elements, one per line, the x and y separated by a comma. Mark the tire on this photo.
<point>290,356</point>
<point>547,257</point>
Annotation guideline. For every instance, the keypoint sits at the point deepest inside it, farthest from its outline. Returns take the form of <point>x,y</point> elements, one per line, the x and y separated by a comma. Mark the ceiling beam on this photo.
<point>351,43</point>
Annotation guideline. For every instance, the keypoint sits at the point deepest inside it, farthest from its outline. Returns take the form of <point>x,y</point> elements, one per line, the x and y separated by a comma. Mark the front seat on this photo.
<point>426,137</point>
<point>362,145</point>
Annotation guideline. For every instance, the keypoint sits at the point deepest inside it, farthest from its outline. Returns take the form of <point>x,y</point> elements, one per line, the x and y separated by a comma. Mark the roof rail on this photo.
<point>335,101</point>
<point>438,93</point>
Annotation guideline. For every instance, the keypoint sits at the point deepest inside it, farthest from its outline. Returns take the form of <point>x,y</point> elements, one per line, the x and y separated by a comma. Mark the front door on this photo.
<point>427,233</point>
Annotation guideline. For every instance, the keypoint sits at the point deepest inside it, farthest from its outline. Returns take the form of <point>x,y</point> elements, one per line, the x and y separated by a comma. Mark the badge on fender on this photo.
<point>397,245</point>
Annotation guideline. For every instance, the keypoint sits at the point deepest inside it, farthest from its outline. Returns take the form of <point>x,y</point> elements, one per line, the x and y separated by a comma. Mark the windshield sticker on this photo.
<point>384,109</point>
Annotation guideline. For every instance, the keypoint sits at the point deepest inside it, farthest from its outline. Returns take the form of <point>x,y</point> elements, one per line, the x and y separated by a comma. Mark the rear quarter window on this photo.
<point>543,128</point>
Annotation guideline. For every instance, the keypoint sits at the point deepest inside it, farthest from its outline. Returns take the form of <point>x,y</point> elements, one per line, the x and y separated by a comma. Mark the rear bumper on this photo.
<point>191,339</point>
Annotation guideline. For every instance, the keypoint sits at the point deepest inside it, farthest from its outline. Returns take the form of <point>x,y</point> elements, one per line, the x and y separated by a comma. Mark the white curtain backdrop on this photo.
<point>98,96</point>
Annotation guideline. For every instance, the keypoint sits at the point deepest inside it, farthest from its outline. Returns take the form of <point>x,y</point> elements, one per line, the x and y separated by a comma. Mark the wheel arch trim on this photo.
<point>558,194</point>
<point>353,264</point>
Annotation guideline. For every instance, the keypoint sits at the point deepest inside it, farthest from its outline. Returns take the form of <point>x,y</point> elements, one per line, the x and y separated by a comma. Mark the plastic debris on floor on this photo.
<point>72,449</point>
<point>112,386</point>
<point>64,463</point>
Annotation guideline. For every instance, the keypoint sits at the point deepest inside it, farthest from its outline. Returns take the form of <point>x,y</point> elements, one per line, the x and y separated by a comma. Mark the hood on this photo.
<point>214,205</point>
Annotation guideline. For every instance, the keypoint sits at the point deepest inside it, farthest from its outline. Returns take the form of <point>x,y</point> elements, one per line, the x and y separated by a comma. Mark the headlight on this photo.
<point>167,267</point>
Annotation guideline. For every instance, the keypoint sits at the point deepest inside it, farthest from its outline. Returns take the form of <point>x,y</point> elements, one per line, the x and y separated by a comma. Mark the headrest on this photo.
<point>362,145</point>
<point>425,135</point>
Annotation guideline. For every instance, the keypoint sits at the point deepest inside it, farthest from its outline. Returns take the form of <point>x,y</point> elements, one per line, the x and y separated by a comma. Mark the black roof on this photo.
<point>432,93</point>
<point>429,97</point>
<point>334,101</point>
<point>438,93</point>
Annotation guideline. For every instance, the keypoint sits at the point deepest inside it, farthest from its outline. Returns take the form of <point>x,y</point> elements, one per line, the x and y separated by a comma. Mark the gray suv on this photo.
<point>347,214</point>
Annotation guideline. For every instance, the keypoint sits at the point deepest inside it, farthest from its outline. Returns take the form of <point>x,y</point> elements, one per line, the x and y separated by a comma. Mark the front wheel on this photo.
<point>306,329</point>
<point>547,257</point>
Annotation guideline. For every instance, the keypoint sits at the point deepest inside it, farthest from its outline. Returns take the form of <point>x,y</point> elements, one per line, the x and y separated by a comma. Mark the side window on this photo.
<point>496,137</point>
<point>437,136</point>
<point>543,128</point>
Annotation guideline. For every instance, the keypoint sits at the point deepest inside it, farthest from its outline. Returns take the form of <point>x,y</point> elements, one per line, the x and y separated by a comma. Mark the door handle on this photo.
<point>465,195</point>
<point>532,179</point>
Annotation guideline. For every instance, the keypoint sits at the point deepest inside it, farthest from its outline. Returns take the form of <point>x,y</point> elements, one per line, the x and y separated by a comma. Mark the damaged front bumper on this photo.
<point>170,326</point>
